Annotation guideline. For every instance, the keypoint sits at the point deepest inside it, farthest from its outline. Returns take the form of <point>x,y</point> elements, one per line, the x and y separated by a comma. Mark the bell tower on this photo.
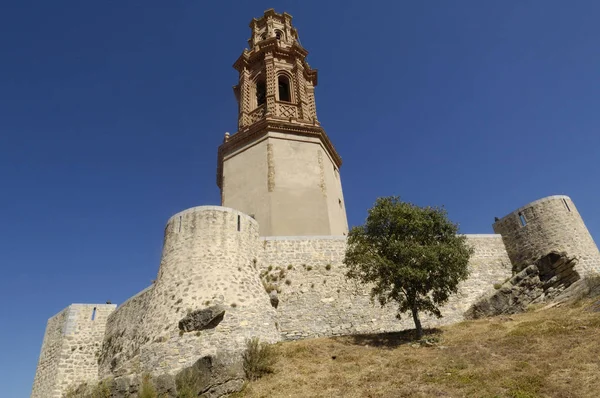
<point>280,166</point>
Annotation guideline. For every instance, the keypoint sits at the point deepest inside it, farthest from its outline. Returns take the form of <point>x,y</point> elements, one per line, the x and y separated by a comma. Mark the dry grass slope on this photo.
<point>547,353</point>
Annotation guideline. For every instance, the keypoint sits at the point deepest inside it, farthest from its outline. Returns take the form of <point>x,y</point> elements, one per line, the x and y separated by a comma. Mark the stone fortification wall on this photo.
<point>70,349</point>
<point>208,261</point>
<point>549,224</point>
<point>121,339</point>
<point>316,299</point>
<point>489,265</point>
<point>44,383</point>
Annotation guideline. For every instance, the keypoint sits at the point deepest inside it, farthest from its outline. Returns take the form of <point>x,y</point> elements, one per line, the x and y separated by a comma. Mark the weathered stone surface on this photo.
<point>543,281</point>
<point>274,298</point>
<point>124,387</point>
<point>165,386</point>
<point>214,377</point>
<point>206,318</point>
<point>587,287</point>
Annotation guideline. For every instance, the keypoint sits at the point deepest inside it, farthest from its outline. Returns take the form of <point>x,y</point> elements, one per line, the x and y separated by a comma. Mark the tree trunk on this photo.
<point>418,327</point>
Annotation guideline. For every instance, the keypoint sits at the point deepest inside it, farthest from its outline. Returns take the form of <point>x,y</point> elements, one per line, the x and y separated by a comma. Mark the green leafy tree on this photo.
<point>411,255</point>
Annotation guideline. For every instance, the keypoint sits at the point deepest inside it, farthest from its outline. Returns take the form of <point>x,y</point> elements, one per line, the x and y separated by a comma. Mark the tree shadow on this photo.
<point>388,340</point>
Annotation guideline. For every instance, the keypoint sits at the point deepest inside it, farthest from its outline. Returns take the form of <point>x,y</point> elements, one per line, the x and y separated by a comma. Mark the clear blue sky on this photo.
<point>111,113</point>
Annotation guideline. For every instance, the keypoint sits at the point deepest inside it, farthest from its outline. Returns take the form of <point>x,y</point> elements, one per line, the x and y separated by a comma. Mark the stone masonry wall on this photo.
<point>71,348</point>
<point>489,265</point>
<point>549,224</point>
<point>208,259</point>
<point>44,383</point>
<point>316,299</point>
<point>213,256</point>
<point>120,344</point>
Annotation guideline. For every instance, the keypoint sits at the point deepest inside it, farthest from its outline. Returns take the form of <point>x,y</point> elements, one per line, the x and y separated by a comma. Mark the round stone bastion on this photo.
<point>549,224</point>
<point>208,297</point>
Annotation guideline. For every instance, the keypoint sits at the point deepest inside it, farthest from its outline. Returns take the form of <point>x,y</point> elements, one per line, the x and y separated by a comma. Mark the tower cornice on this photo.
<point>263,127</point>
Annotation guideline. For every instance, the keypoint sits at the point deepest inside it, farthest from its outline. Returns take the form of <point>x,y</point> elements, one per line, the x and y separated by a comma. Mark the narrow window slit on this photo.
<point>94,314</point>
<point>566,205</point>
<point>522,219</point>
<point>179,223</point>
<point>238,224</point>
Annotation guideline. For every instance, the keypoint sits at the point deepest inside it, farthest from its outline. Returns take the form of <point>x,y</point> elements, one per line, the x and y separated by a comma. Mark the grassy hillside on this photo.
<point>546,353</point>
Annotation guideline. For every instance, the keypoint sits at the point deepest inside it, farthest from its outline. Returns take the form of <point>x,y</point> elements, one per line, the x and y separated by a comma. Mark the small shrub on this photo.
<point>290,266</point>
<point>233,305</point>
<point>270,268</point>
<point>312,285</point>
<point>269,287</point>
<point>288,282</point>
<point>259,358</point>
<point>189,383</point>
<point>147,389</point>
<point>497,285</point>
<point>328,267</point>
<point>309,268</point>
<point>101,390</point>
<point>181,333</point>
<point>76,392</point>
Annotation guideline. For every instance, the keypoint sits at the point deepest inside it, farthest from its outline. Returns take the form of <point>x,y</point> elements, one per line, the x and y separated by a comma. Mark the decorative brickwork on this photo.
<point>287,111</point>
<point>302,90</point>
<point>245,101</point>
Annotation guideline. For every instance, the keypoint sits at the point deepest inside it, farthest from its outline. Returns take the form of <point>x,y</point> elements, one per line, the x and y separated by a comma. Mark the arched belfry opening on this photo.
<point>261,92</point>
<point>284,88</point>
<point>280,166</point>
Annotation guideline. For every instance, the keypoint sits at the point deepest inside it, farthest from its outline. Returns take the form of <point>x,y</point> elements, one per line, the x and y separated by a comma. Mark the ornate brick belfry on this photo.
<point>280,166</point>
